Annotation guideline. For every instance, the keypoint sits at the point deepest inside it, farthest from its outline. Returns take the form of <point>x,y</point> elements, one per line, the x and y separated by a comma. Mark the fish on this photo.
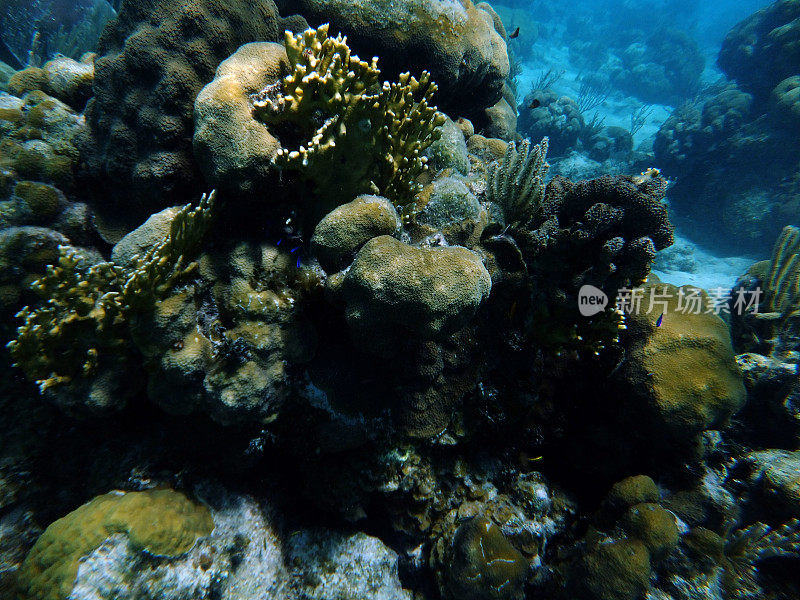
<point>514,34</point>
<point>660,320</point>
<point>534,104</point>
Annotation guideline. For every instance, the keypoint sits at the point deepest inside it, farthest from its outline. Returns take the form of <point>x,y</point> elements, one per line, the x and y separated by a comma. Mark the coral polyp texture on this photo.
<point>155,522</point>
<point>682,369</point>
<point>317,121</point>
<point>396,354</point>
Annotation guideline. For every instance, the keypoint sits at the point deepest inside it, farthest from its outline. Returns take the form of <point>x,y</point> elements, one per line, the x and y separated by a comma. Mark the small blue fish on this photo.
<point>660,320</point>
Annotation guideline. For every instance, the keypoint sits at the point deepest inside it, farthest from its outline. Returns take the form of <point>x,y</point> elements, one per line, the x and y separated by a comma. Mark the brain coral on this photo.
<point>159,522</point>
<point>454,40</point>
<point>234,150</point>
<point>152,62</point>
<point>682,372</point>
<point>484,564</point>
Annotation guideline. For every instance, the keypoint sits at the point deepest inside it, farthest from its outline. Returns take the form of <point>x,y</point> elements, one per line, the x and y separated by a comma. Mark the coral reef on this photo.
<point>724,146</point>
<point>91,305</point>
<point>395,357</point>
<point>543,113</point>
<point>455,41</point>
<point>152,61</point>
<point>664,68</point>
<point>761,51</point>
<point>235,151</point>
<point>342,232</point>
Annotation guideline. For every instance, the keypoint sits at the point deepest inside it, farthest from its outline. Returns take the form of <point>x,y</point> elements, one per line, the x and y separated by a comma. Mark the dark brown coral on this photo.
<point>152,62</point>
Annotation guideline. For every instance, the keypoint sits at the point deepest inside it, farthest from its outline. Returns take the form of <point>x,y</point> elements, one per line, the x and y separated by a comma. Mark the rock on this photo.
<point>335,566</point>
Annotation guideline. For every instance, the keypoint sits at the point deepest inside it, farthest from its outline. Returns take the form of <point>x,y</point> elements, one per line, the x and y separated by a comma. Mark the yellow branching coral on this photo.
<point>340,128</point>
<point>81,328</point>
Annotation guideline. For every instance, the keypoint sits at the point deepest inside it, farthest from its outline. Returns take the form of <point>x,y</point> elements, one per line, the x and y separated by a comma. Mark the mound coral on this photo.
<point>64,78</point>
<point>543,113</point>
<point>157,522</point>
<point>484,565</point>
<point>40,136</point>
<point>393,290</point>
<point>345,229</point>
<point>75,345</point>
<point>680,370</point>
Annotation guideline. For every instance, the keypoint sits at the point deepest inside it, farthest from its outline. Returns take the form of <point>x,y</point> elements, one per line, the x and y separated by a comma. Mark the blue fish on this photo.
<point>660,320</point>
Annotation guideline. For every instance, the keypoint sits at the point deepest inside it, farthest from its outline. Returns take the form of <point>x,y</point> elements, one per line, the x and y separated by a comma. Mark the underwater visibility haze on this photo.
<point>399,300</point>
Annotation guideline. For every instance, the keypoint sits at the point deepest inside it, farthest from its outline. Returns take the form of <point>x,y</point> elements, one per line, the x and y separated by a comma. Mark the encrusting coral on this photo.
<point>157,522</point>
<point>76,344</point>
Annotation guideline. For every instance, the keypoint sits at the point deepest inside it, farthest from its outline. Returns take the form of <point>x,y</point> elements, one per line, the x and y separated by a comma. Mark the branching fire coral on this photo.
<point>80,330</point>
<point>340,128</point>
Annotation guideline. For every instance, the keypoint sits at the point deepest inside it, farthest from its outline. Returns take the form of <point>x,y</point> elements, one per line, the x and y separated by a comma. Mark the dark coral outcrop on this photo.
<point>153,60</point>
<point>763,49</point>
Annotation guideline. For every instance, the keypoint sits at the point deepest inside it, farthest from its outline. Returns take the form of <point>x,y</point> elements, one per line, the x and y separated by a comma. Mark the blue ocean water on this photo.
<point>510,311</point>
